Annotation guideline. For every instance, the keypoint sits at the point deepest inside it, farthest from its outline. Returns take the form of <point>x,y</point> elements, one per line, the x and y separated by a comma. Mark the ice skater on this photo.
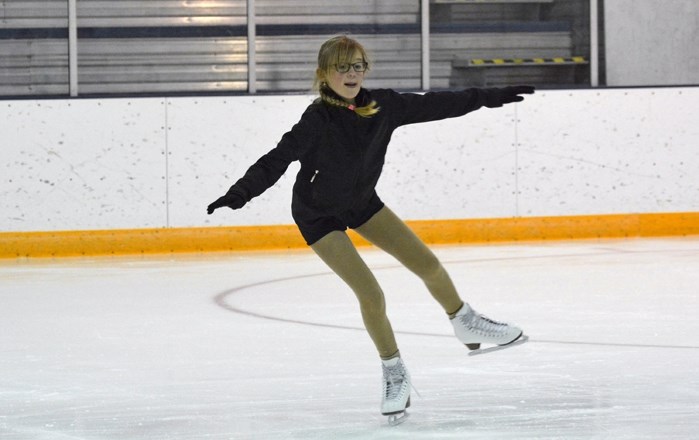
<point>340,142</point>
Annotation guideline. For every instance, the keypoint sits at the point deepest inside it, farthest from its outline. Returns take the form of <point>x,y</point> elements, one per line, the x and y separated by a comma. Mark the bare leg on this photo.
<point>338,252</point>
<point>391,234</point>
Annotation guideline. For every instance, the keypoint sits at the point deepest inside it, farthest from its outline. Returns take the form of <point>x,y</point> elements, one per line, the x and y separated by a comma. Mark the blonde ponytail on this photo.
<point>366,111</point>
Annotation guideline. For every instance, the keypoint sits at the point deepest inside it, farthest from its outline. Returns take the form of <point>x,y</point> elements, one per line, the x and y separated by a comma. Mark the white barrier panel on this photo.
<point>139,163</point>
<point>609,152</point>
<point>82,164</point>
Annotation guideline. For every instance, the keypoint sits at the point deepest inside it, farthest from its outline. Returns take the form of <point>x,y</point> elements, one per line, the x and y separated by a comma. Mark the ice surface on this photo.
<point>270,346</point>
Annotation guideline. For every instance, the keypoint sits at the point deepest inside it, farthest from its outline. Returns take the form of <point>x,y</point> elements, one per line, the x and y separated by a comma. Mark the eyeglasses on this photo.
<point>357,67</point>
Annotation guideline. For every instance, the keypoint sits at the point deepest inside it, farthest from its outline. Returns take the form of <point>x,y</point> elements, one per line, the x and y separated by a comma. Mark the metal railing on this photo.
<point>258,46</point>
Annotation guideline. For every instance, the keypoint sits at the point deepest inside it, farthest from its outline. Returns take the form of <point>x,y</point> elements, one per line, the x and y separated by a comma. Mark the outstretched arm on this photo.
<point>264,173</point>
<point>433,106</point>
<point>498,97</point>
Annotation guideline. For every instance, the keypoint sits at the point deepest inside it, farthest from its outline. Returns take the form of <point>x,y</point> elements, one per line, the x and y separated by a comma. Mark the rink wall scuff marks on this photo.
<point>83,176</point>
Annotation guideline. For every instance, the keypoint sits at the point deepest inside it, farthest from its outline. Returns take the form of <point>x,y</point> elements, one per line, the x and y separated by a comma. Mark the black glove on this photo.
<point>498,97</point>
<point>232,199</point>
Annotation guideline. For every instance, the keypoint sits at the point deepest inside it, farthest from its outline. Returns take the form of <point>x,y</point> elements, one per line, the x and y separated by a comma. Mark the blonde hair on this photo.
<point>339,50</point>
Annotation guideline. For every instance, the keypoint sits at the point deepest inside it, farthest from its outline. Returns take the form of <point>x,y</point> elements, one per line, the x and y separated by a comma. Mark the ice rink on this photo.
<point>270,346</point>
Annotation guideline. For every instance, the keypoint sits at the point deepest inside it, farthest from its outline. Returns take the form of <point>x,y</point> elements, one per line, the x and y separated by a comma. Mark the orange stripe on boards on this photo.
<point>148,241</point>
<point>247,238</point>
<point>669,224</point>
<point>557,228</point>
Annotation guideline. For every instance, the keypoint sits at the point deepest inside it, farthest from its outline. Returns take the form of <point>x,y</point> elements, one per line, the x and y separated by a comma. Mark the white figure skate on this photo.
<point>396,391</point>
<point>474,329</point>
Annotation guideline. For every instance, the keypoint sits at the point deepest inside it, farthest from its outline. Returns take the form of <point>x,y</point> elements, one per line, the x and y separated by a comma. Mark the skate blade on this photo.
<point>520,341</point>
<point>397,419</point>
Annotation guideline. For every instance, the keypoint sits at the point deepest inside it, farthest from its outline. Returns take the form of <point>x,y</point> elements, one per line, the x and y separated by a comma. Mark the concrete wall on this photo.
<point>153,162</point>
<point>652,43</point>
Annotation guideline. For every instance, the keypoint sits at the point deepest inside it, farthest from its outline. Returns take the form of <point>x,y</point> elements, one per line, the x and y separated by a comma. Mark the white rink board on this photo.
<point>157,162</point>
<point>611,151</point>
<point>82,164</point>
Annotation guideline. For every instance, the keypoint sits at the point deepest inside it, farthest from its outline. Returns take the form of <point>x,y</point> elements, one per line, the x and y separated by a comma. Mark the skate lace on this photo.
<point>394,378</point>
<point>483,324</point>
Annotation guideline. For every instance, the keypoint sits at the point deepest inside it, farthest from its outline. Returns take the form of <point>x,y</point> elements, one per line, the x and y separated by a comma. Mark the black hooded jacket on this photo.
<point>342,154</point>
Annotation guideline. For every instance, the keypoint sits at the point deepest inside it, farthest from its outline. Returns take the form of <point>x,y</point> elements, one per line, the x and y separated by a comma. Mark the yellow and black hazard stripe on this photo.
<point>527,61</point>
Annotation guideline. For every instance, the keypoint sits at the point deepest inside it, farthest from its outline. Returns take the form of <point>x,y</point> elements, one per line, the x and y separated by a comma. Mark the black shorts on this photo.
<point>313,229</point>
